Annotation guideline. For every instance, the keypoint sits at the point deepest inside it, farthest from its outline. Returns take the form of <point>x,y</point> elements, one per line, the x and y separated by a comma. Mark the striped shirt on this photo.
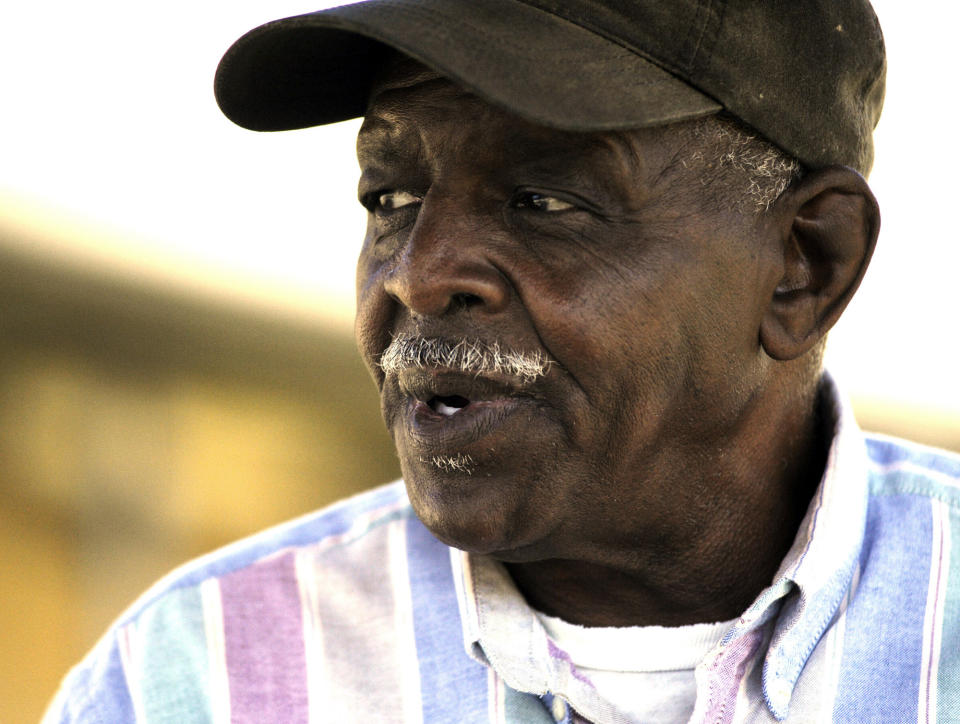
<point>357,614</point>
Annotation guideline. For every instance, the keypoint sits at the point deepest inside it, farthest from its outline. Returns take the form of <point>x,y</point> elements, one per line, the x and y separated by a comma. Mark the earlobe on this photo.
<point>827,236</point>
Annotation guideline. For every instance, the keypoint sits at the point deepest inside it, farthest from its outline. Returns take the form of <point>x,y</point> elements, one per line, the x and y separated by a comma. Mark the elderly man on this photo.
<point>606,241</point>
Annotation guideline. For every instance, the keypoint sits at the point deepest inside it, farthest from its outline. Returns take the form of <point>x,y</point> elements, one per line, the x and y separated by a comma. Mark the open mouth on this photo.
<point>447,408</point>
<point>447,405</point>
<point>443,413</point>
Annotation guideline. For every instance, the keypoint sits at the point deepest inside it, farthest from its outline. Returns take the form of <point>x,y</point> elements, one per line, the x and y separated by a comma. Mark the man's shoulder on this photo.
<point>344,523</point>
<point>898,467</point>
<point>255,584</point>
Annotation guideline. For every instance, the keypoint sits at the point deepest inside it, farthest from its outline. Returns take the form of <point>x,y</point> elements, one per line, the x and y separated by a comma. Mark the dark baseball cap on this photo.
<point>806,74</point>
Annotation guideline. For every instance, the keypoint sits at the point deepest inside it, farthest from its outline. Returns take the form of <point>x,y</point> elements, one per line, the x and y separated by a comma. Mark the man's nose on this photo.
<point>445,265</point>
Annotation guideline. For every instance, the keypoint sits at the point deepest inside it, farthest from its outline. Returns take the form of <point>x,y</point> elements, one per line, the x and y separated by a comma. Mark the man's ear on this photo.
<point>828,224</point>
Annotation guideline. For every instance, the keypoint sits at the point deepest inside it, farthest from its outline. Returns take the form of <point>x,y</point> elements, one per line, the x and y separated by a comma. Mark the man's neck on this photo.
<point>733,558</point>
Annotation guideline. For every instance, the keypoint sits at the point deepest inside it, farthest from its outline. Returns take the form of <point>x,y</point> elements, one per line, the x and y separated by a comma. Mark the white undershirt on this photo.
<point>645,671</point>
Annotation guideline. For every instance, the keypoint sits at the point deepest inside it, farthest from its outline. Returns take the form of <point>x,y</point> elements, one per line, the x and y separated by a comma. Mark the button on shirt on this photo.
<point>357,614</point>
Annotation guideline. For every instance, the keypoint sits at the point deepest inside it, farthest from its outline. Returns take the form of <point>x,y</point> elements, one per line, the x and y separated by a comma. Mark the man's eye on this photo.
<point>393,200</point>
<point>541,202</point>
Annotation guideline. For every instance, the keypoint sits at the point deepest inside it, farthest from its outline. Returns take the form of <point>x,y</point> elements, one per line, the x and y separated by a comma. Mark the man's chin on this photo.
<point>466,513</point>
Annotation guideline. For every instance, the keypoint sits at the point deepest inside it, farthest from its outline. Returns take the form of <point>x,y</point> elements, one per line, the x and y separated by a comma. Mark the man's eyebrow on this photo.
<point>375,122</point>
<point>387,134</point>
<point>568,164</point>
<point>380,132</point>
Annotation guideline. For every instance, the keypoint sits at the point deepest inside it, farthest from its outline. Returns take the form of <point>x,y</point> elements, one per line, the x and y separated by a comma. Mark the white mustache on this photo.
<point>471,356</point>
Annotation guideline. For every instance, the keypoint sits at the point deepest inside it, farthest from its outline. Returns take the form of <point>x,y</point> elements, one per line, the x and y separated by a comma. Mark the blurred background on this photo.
<point>176,294</point>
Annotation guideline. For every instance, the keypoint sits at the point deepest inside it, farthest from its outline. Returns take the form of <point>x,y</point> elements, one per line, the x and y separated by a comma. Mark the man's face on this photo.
<point>591,252</point>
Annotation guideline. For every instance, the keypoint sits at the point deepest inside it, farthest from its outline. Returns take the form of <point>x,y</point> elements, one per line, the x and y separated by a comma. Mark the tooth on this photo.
<point>446,410</point>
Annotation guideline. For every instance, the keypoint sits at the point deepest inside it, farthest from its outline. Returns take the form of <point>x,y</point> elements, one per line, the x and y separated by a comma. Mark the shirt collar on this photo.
<point>820,565</point>
<point>501,631</point>
<point>815,574</point>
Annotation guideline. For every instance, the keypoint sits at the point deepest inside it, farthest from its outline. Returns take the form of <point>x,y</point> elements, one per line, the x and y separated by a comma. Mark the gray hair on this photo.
<point>738,168</point>
<point>458,463</point>
<point>472,356</point>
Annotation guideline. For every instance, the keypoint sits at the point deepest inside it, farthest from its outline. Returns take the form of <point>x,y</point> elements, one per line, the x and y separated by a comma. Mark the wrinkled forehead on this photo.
<point>398,72</point>
<point>402,93</point>
<point>408,101</point>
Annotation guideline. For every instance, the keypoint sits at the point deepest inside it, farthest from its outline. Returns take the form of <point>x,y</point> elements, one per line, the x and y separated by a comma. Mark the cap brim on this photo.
<point>318,68</point>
